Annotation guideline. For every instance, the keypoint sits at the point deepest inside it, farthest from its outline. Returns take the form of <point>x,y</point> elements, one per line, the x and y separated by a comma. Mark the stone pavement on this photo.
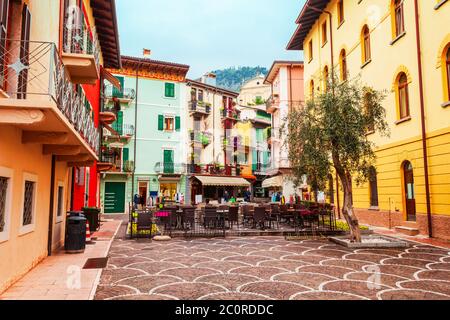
<point>61,277</point>
<point>271,268</point>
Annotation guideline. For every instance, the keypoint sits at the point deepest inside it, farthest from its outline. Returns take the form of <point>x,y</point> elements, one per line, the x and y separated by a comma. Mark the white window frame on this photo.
<point>170,116</point>
<point>7,173</point>
<point>31,227</point>
<point>60,219</point>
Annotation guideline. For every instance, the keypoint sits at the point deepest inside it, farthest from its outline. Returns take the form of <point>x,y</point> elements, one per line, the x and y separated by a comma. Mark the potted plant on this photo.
<point>208,107</point>
<point>192,134</point>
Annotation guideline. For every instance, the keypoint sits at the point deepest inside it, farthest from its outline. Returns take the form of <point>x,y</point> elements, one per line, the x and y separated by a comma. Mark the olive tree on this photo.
<point>330,134</point>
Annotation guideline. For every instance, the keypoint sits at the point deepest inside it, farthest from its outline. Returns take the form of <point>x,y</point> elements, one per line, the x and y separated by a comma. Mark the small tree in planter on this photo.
<point>330,132</point>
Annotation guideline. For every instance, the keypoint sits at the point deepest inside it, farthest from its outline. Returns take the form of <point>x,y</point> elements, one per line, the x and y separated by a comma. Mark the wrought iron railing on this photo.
<point>80,39</point>
<point>124,93</point>
<point>170,168</point>
<point>34,69</point>
<point>200,106</point>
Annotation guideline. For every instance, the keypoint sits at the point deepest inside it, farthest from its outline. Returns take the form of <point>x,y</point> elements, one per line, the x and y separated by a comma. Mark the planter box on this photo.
<point>371,242</point>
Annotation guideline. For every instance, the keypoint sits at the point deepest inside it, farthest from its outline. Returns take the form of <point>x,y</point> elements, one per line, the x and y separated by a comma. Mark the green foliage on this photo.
<point>233,78</point>
<point>331,131</point>
<point>259,101</point>
<point>342,225</point>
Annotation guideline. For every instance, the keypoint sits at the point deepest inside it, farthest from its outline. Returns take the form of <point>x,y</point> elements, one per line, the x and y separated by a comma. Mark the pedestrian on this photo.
<point>282,199</point>
<point>226,196</point>
<point>142,201</point>
<point>247,195</point>
<point>136,201</point>
<point>149,201</point>
<point>277,197</point>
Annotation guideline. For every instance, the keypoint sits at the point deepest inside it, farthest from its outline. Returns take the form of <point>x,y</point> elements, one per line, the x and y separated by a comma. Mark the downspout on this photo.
<point>135,148</point>
<point>423,118</point>
<point>51,207</point>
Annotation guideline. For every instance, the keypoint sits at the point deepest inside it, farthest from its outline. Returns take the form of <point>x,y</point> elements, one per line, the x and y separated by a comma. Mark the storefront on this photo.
<point>213,188</point>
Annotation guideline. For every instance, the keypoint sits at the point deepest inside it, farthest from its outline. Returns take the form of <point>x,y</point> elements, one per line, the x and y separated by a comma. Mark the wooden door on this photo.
<point>409,186</point>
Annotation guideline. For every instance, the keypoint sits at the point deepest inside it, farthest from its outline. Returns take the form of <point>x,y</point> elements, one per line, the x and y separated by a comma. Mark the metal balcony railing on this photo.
<point>80,39</point>
<point>125,93</point>
<point>200,107</point>
<point>170,168</point>
<point>32,69</point>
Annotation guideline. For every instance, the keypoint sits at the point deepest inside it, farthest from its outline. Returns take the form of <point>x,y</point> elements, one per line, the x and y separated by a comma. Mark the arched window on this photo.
<point>403,96</point>
<point>366,44</point>
<point>447,63</point>
<point>373,187</point>
<point>343,63</point>
<point>399,18</point>
<point>325,77</point>
<point>340,10</point>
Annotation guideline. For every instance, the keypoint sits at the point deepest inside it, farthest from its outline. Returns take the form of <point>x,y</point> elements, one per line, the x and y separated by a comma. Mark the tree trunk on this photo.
<point>347,209</point>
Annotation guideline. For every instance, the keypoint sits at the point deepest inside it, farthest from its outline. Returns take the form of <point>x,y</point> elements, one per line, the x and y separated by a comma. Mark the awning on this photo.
<point>223,181</point>
<point>274,182</point>
<point>111,78</point>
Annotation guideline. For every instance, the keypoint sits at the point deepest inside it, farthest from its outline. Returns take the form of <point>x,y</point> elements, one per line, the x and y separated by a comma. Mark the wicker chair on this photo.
<point>259,218</point>
<point>233,216</point>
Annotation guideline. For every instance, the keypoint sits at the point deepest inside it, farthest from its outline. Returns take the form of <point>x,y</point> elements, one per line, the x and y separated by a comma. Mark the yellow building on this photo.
<point>402,46</point>
<point>51,62</point>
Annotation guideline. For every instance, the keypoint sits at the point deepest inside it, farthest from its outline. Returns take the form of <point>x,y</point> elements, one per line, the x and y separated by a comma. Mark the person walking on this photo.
<point>226,196</point>
<point>247,195</point>
<point>136,201</point>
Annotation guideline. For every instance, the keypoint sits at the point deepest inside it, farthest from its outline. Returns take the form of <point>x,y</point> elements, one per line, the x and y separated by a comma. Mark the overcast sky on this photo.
<point>209,34</point>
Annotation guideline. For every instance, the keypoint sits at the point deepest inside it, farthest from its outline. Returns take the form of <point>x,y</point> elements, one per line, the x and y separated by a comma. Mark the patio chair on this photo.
<point>210,217</point>
<point>274,216</point>
<point>259,217</point>
<point>188,218</point>
<point>247,216</point>
<point>144,223</point>
<point>233,216</point>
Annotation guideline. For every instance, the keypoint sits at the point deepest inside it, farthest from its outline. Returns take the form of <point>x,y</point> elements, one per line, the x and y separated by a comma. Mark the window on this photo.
<point>447,64</point>
<point>169,124</point>
<point>29,203</point>
<point>324,33</point>
<point>366,53</point>
<point>310,50</point>
<point>193,94</point>
<point>340,9</point>
<point>368,112</point>
<point>311,89</point>
<point>60,203</point>
<point>200,95</point>
<point>169,90</point>
<point>373,187</point>
<point>343,63</point>
<point>399,18</point>
<point>403,96</point>
<point>5,202</point>
<point>325,78</point>
<point>4,5</point>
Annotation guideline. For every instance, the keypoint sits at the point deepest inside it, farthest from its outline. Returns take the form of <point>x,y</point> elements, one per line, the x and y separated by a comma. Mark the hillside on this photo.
<point>233,78</point>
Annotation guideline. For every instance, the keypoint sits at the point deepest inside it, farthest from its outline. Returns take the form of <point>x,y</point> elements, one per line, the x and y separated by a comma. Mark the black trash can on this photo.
<point>93,216</point>
<point>75,241</point>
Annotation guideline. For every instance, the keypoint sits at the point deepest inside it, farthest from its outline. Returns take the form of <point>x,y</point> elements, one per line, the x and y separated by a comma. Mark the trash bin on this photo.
<point>92,215</point>
<point>75,241</point>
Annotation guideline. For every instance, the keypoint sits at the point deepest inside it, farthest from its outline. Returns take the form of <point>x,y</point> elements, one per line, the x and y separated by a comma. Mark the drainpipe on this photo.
<point>51,207</point>
<point>135,148</point>
<point>423,119</point>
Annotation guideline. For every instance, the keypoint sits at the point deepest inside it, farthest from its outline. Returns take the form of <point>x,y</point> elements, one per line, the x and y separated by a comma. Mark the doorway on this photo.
<point>143,191</point>
<point>409,187</point>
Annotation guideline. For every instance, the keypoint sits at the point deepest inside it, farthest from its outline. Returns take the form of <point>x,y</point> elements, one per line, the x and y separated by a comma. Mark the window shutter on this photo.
<point>160,122</point>
<point>254,160</point>
<point>170,90</point>
<point>118,124</point>
<point>24,52</point>
<point>119,93</point>
<point>177,123</point>
<point>126,154</point>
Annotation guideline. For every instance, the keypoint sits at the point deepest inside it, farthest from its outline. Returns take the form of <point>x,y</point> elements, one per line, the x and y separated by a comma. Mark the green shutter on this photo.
<point>254,160</point>
<point>118,124</point>
<point>168,161</point>
<point>177,123</point>
<point>160,122</point>
<point>170,90</point>
<point>119,93</point>
<point>126,154</point>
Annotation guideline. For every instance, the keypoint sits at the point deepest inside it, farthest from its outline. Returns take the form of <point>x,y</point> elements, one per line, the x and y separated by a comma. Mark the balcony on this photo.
<point>273,104</point>
<point>262,119</point>
<point>126,95</point>
<point>165,168</point>
<point>215,169</point>
<point>232,115</point>
<point>204,138</point>
<point>41,101</point>
<point>261,169</point>
<point>111,162</point>
<point>119,132</point>
<point>199,108</point>
<point>81,53</point>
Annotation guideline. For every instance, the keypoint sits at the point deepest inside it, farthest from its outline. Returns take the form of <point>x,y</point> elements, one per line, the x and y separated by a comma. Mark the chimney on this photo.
<point>209,79</point>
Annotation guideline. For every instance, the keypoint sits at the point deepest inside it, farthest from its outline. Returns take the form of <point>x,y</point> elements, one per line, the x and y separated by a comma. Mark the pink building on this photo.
<point>286,79</point>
